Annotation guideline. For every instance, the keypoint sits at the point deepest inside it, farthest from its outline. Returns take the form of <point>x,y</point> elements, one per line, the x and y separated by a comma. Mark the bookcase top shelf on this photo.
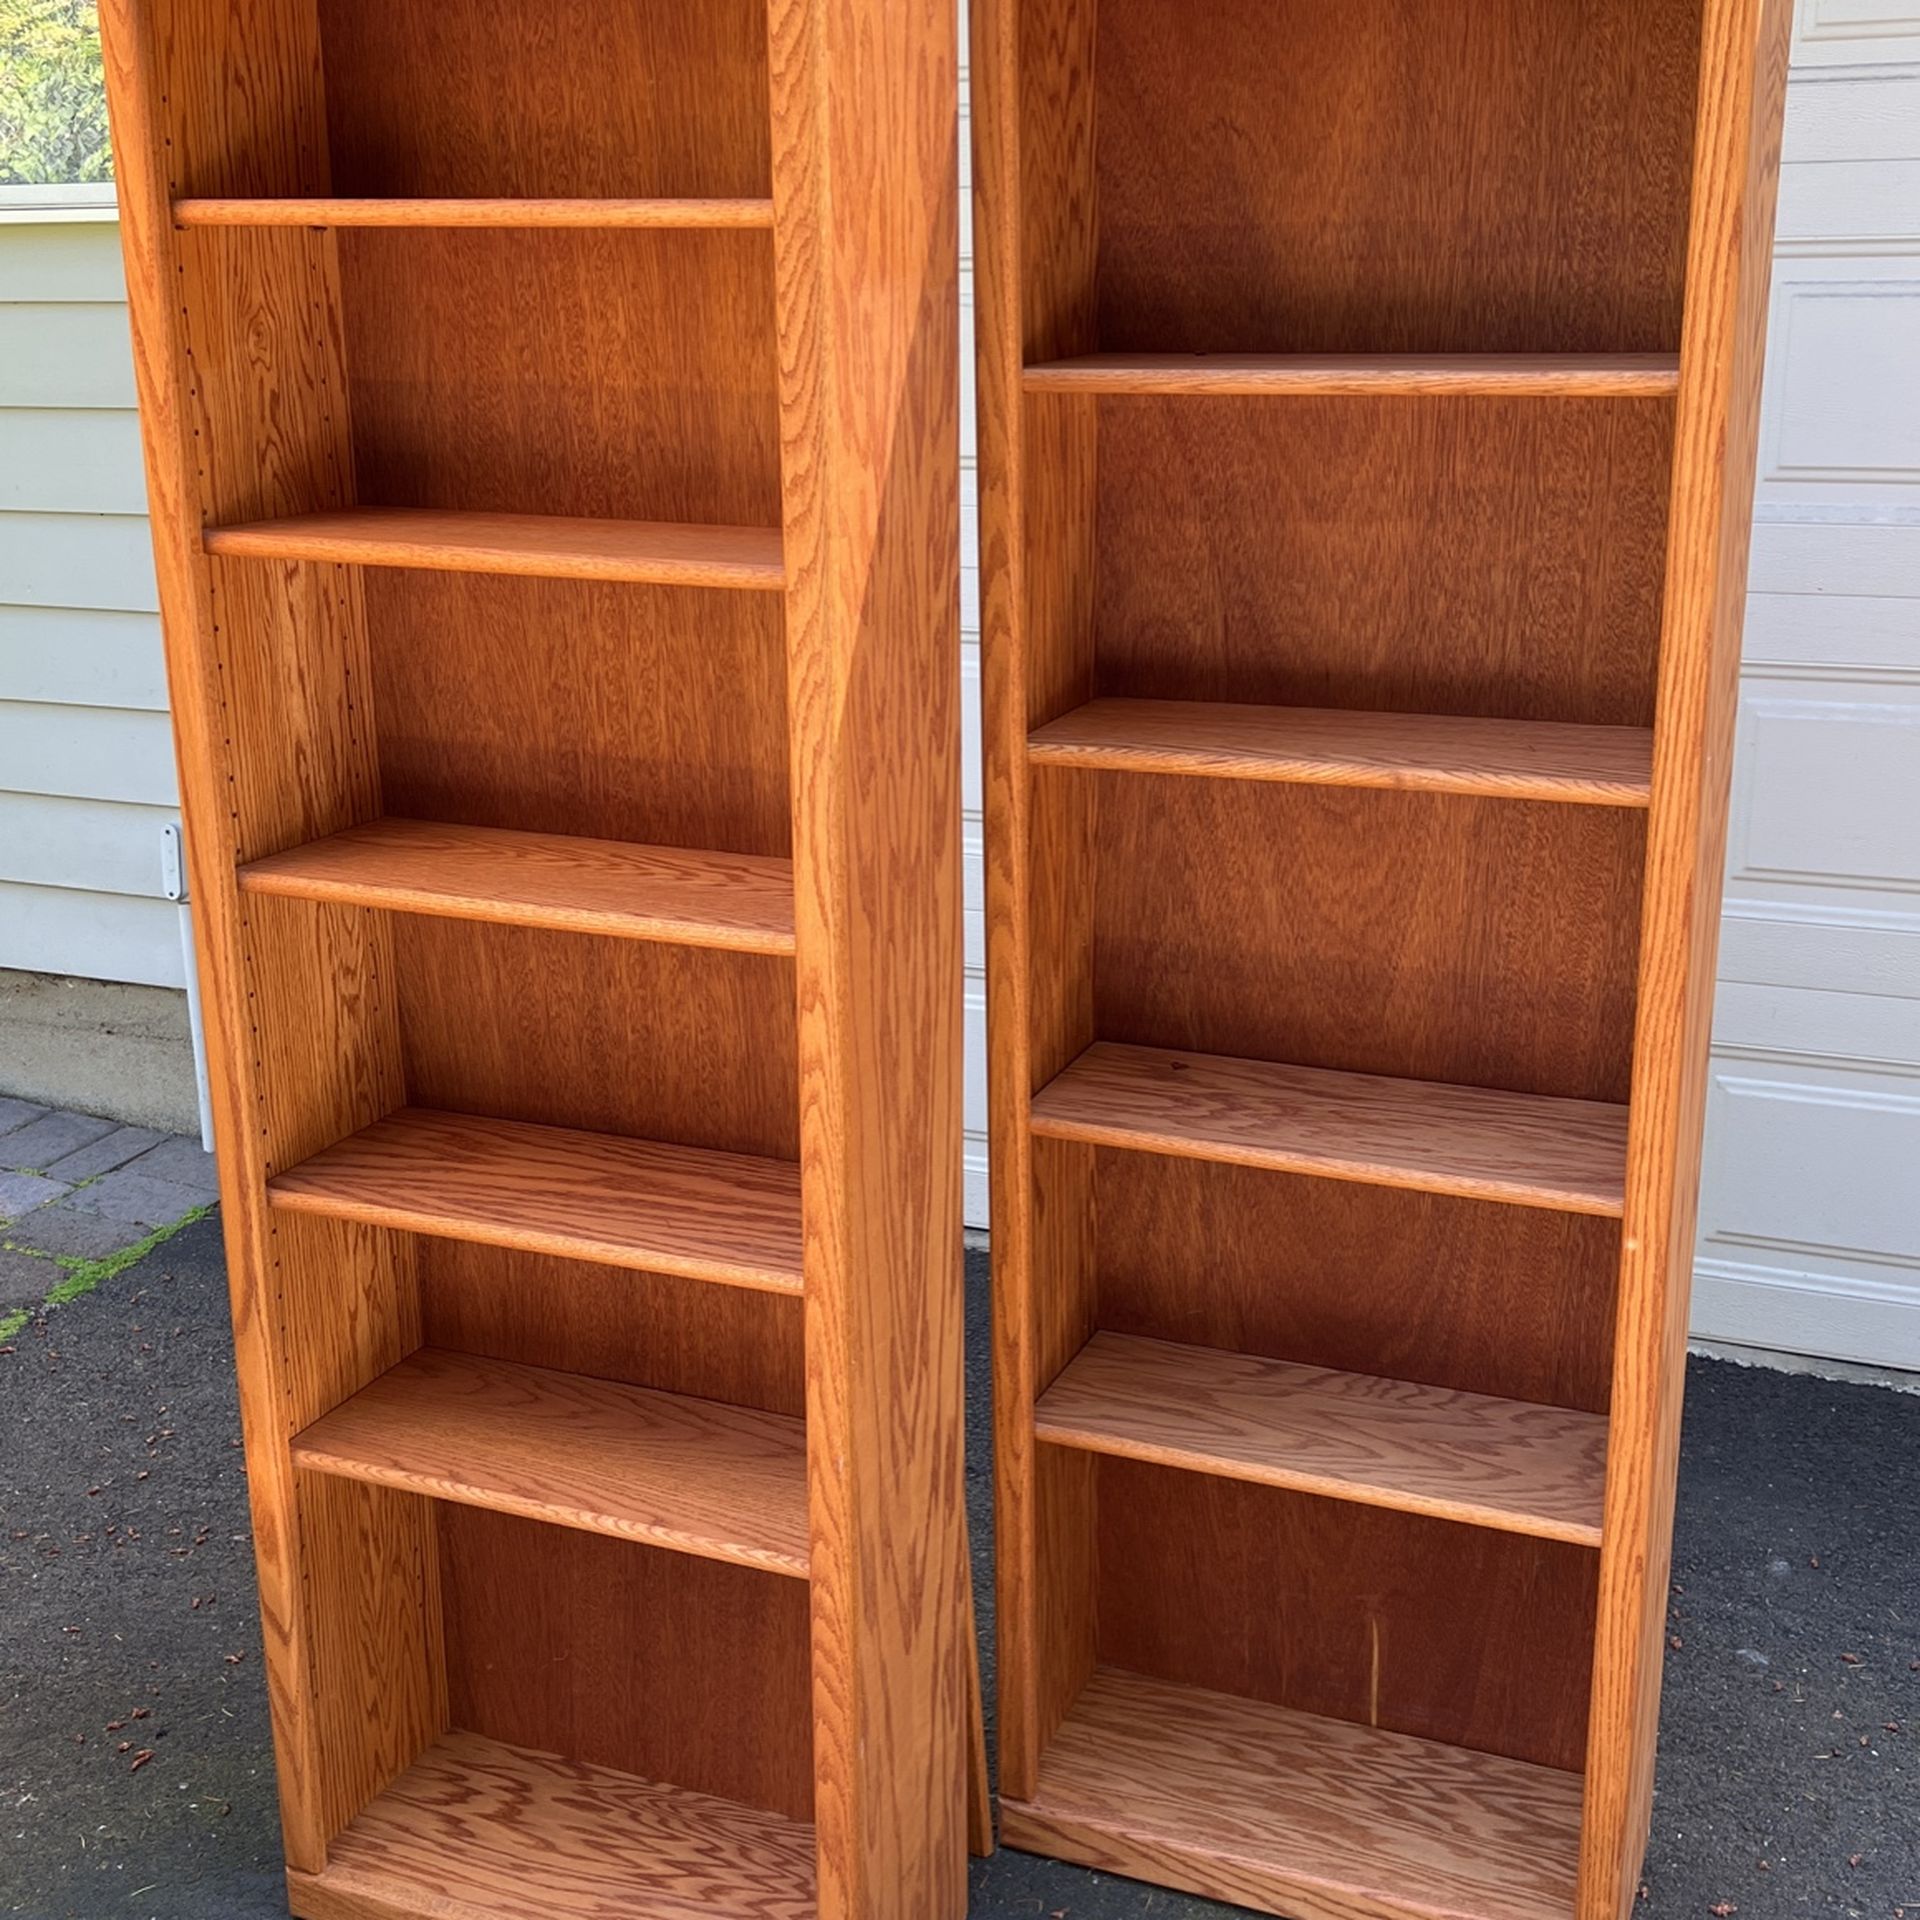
<point>1390,1443</point>
<point>1433,753</point>
<point>641,215</point>
<point>1602,376</point>
<point>696,1476</point>
<point>1475,1142</point>
<point>726,1217</point>
<point>547,546</point>
<point>677,895</point>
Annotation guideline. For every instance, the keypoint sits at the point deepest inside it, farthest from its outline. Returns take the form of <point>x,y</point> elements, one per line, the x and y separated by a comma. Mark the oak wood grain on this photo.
<point>1295,1814</point>
<point>1388,1443</point>
<point>545,546</point>
<point>866,242</point>
<point>1543,375</point>
<point>641,214</point>
<point>691,1475</point>
<point>731,1218</point>
<point>1742,85</point>
<point>739,902</point>
<point>479,1830</point>
<point>1431,753</point>
<point>1478,1142</point>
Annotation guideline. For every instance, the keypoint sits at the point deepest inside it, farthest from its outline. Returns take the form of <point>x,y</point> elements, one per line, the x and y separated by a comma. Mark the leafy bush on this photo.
<point>53,103</point>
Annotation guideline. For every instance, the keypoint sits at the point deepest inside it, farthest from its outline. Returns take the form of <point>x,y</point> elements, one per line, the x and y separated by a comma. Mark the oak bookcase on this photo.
<point>1367,435</point>
<point>551,423</point>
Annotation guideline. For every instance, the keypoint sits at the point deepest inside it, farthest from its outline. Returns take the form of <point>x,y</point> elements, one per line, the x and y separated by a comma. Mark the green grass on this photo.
<point>82,1276</point>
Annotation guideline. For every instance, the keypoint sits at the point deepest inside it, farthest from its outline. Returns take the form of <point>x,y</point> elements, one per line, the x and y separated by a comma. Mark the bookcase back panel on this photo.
<point>612,1036</point>
<point>1536,198</point>
<point>648,1329</point>
<point>1288,943</point>
<point>1461,555</point>
<point>649,714</point>
<point>1473,1295</point>
<point>677,1669</point>
<point>626,375</point>
<point>1454,1633</point>
<point>587,99</point>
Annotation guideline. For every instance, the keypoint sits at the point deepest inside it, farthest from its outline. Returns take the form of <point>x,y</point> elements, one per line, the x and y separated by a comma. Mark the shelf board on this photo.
<point>676,895</point>
<point>548,546</point>
<point>1475,1142</point>
<point>1384,1443</point>
<point>1320,1819</point>
<point>726,1217</point>
<point>1613,376</point>
<point>695,1476</point>
<point>1317,746</point>
<point>648,215</point>
<point>477,1830</point>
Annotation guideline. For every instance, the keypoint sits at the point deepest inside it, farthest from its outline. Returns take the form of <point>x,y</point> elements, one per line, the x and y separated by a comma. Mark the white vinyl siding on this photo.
<point>86,760</point>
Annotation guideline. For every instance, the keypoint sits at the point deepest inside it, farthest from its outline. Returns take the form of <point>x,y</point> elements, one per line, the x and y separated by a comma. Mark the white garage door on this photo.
<point>1810,1210</point>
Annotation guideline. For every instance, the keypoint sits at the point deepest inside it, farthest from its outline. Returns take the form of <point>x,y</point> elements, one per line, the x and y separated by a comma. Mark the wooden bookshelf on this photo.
<point>552,481</point>
<point>1367,436</point>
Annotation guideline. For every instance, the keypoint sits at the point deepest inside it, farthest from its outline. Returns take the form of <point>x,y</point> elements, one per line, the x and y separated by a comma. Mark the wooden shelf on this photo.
<point>1383,1443</point>
<point>1432,753</point>
<point>1321,1819</point>
<point>1476,1142</point>
<point>1607,376</point>
<point>676,895</point>
<point>696,1476</point>
<point>476,1830</point>
<point>646,215</point>
<point>724,1217</point>
<point>546,546</point>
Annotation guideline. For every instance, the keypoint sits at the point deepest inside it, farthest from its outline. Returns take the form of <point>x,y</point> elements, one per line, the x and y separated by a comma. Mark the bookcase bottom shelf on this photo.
<point>1291,1813</point>
<point>476,1830</point>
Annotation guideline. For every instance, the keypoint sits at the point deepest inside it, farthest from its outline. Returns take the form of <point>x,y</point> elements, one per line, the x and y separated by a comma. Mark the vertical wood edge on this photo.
<point>1741,94</point>
<point>864,106</point>
<point>1006,806</point>
<point>162,381</point>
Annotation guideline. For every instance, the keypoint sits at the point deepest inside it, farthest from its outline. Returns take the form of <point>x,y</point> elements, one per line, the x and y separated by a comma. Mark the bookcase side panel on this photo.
<point>865,105</point>
<point>1742,90</point>
<point>236,350</point>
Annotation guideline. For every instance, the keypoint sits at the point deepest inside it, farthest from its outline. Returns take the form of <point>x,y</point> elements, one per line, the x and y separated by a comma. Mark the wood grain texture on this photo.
<point>738,902</point>
<point>239,361</point>
<point>1490,557</point>
<point>1387,1443</point>
<point>729,1218</point>
<point>643,214</point>
<point>1429,753</point>
<point>691,1475</point>
<point>478,1830</point>
<point>546,546</point>
<point>618,1655</point>
<point>647,714</point>
<point>865,119</point>
<point>472,97</point>
<point>1360,181</point>
<point>1294,1814</point>
<point>1352,929</point>
<point>1742,96</point>
<point>1033,257</point>
<point>1477,1142</point>
<point>1362,1279</point>
<point>1349,1611</point>
<point>1543,375</point>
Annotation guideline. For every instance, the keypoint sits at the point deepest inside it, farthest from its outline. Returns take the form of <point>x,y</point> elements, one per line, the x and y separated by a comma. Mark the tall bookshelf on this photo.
<point>1367,435</point>
<point>550,413</point>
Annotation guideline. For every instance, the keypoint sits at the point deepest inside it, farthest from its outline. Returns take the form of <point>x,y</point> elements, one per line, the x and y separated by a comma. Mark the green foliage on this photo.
<point>53,103</point>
